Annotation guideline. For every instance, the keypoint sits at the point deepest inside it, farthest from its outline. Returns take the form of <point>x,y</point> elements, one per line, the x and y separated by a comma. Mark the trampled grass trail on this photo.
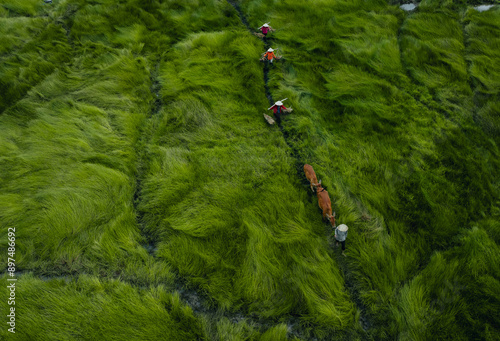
<point>343,265</point>
<point>149,241</point>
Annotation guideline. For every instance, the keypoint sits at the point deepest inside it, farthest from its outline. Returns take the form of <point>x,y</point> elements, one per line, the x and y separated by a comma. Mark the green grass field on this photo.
<point>151,200</point>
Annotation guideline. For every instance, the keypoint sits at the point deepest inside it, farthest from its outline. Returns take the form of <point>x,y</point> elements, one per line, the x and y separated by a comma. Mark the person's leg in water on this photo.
<point>343,247</point>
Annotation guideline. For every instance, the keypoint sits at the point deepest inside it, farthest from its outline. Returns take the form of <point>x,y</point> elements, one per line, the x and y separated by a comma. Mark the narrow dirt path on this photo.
<point>150,241</point>
<point>266,44</point>
<point>365,321</point>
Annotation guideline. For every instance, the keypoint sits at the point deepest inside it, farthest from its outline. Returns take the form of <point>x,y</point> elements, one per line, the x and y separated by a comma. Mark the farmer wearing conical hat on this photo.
<point>269,55</point>
<point>278,108</point>
<point>265,29</point>
<point>340,236</point>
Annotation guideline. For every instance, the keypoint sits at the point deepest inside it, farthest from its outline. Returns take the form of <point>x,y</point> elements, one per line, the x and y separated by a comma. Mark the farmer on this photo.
<point>340,236</point>
<point>269,55</point>
<point>278,108</point>
<point>265,29</point>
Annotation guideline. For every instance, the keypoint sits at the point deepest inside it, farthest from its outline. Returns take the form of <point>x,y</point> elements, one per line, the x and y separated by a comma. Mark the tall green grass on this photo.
<point>456,295</point>
<point>433,51</point>
<point>32,50</point>
<point>88,308</point>
<point>20,8</point>
<point>68,152</point>
<point>397,113</point>
<point>482,54</point>
<point>148,26</point>
<point>392,134</point>
<point>222,196</point>
<point>77,87</point>
<point>69,160</point>
<point>68,165</point>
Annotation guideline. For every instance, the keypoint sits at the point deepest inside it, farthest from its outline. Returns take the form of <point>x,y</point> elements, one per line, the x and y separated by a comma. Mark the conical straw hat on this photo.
<point>342,227</point>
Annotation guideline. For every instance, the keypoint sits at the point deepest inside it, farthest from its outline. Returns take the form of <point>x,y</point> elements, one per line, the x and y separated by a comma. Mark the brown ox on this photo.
<point>311,176</point>
<point>325,204</point>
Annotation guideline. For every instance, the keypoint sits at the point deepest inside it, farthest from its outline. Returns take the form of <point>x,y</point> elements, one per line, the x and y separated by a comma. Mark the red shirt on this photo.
<point>264,29</point>
<point>275,108</point>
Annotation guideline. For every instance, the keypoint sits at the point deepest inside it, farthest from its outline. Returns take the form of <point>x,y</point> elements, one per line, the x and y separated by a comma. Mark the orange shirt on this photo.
<point>270,55</point>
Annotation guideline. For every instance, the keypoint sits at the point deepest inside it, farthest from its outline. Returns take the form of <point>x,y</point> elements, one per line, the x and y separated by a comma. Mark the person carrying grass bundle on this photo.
<point>265,29</point>
<point>340,236</point>
<point>278,108</point>
<point>269,56</point>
